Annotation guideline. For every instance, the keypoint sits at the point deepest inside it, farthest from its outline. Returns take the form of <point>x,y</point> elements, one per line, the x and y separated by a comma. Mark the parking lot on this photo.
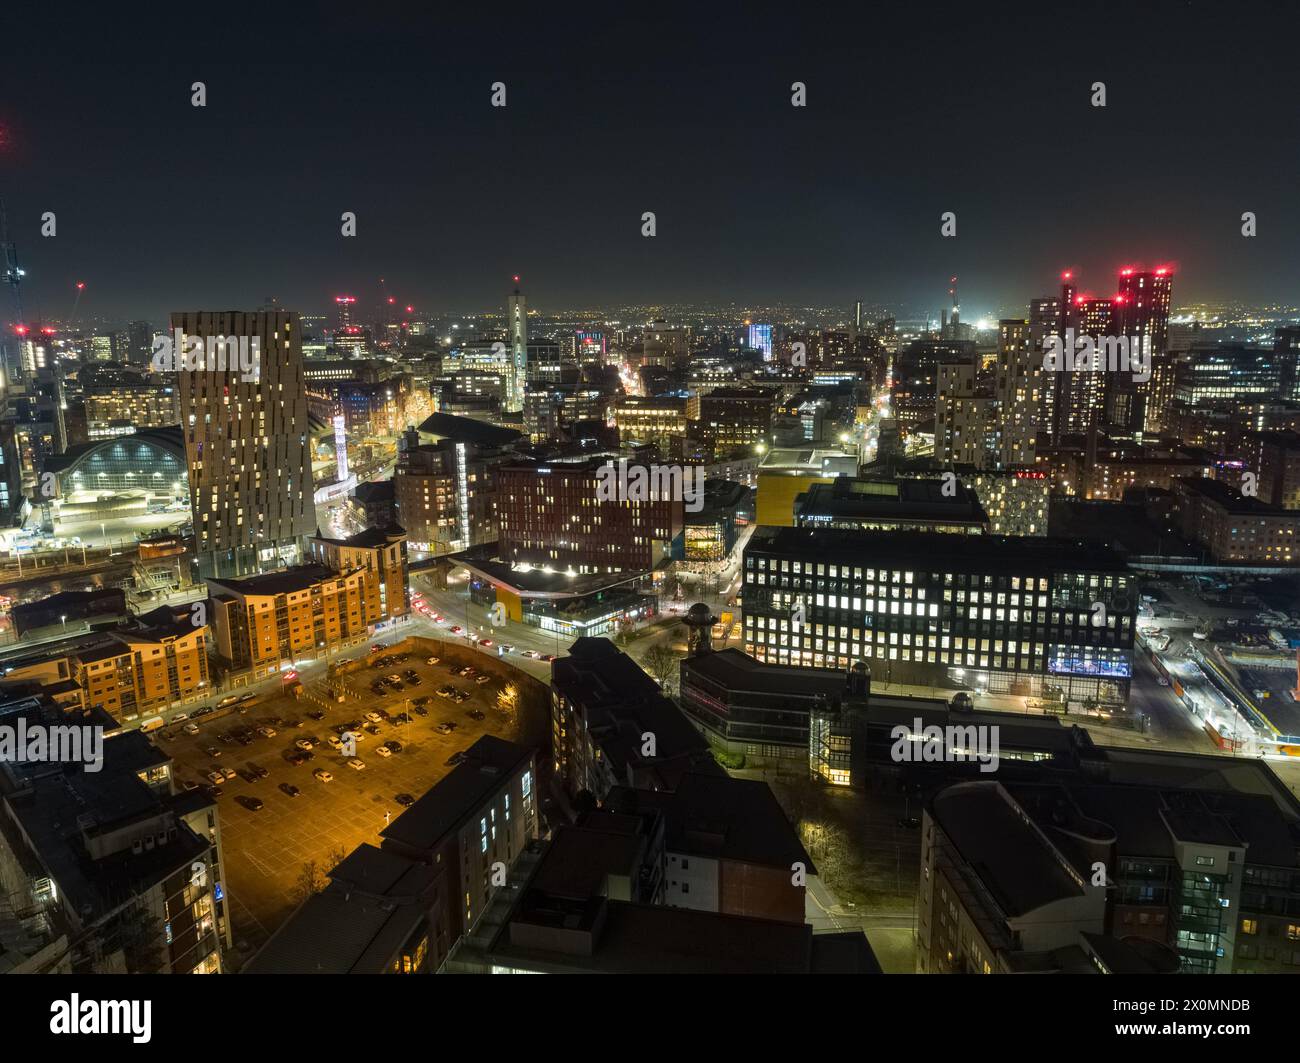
<point>270,851</point>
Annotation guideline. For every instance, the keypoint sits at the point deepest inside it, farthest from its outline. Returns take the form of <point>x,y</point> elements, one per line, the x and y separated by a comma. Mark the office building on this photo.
<point>1033,616</point>
<point>855,503</point>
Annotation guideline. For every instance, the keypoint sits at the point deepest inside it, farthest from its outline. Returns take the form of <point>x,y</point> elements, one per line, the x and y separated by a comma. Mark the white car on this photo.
<point>334,742</point>
<point>383,751</point>
<point>432,660</point>
<point>357,764</point>
<point>305,744</point>
<point>215,777</point>
<point>373,717</point>
<point>322,775</point>
<point>191,728</point>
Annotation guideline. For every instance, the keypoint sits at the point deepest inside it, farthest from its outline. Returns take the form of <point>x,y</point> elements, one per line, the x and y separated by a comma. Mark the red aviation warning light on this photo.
<point>1067,275</point>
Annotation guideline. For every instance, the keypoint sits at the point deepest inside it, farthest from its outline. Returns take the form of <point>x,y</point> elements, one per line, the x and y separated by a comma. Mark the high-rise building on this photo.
<point>1018,390</point>
<point>965,418</point>
<point>517,369</point>
<point>760,339</point>
<point>1142,311</point>
<point>251,489</point>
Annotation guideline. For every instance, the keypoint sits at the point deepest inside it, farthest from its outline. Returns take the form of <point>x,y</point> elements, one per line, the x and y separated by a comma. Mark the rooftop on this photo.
<point>492,761</point>
<point>994,553</point>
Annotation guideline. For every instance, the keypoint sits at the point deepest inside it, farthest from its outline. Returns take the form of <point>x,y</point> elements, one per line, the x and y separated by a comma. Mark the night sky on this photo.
<point>384,110</point>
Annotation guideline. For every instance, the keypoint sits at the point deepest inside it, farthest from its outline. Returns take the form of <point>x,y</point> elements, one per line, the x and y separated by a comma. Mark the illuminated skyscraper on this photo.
<point>760,339</point>
<point>517,365</point>
<point>1142,310</point>
<point>251,489</point>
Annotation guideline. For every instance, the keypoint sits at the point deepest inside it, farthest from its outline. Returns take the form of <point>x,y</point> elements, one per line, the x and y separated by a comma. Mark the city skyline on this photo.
<point>747,492</point>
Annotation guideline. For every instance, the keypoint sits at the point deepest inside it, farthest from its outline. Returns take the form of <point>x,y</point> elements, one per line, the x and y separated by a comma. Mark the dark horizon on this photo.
<point>162,206</point>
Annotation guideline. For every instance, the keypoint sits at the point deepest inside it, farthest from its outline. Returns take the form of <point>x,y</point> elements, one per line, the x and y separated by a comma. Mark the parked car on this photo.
<point>334,742</point>
<point>215,777</point>
<point>432,660</point>
<point>230,774</point>
<point>191,728</point>
<point>373,717</point>
<point>474,714</point>
<point>316,715</point>
<point>420,710</point>
<point>481,679</point>
<point>267,732</point>
<point>393,747</point>
<point>253,804</point>
<point>290,789</point>
<point>383,751</point>
<point>356,764</point>
<point>405,800</point>
<point>322,775</point>
<point>212,751</point>
<point>305,743</point>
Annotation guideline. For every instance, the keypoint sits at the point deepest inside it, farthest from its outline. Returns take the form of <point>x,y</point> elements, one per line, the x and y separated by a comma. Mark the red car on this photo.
<point>457,630</point>
<point>485,642</point>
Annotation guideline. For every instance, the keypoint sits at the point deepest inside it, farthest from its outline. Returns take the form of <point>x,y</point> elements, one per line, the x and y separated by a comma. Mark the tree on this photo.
<point>662,664</point>
<point>311,880</point>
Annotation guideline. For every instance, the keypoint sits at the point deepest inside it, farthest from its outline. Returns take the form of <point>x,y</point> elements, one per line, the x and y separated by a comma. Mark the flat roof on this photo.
<point>740,672</point>
<point>491,762</point>
<point>374,903</point>
<point>1001,554</point>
